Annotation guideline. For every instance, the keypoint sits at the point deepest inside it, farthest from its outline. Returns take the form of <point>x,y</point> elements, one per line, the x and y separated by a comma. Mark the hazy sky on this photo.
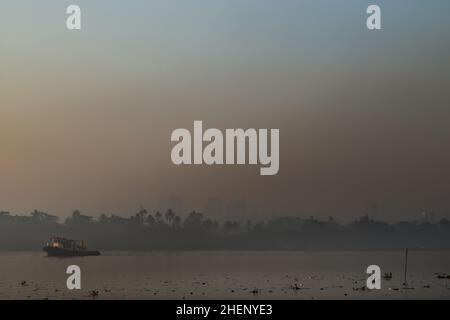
<point>364,117</point>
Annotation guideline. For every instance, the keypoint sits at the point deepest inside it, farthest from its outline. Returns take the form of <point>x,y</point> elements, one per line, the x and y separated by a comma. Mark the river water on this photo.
<point>224,275</point>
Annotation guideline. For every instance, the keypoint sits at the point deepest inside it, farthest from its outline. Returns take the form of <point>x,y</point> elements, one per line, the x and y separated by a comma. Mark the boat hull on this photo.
<point>59,252</point>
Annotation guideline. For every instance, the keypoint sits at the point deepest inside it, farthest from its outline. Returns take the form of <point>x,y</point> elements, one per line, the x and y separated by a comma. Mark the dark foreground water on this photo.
<point>224,275</point>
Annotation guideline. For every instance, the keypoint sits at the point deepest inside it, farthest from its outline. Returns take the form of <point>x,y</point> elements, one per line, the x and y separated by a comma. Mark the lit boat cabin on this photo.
<point>63,243</point>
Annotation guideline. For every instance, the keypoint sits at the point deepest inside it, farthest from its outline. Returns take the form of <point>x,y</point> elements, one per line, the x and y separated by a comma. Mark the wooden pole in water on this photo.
<point>406,266</point>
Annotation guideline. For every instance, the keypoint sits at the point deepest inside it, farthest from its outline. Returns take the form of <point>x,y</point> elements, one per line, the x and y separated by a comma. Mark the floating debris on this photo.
<point>387,275</point>
<point>296,287</point>
<point>394,289</point>
<point>363,288</point>
<point>255,291</point>
<point>94,293</point>
<point>407,288</point>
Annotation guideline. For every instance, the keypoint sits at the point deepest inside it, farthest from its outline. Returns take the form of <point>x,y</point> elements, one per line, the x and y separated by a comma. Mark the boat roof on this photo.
<point>63,239</point>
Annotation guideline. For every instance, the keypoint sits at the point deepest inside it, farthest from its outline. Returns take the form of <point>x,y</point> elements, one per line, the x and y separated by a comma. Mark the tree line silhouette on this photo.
<point>169,231</point>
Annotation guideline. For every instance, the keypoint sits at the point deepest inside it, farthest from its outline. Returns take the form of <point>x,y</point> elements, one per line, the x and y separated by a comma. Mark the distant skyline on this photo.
<point>364,116</point>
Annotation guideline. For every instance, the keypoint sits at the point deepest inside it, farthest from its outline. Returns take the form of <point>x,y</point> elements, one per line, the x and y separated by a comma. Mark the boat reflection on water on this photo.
<point>62,247</point>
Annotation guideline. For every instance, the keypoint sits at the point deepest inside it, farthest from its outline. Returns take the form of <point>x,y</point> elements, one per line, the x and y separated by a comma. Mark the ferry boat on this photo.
<point>62,247</point>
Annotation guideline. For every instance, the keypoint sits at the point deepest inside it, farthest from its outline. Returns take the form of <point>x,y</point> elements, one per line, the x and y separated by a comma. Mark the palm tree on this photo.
<point>169,215</point>
<point>150,220</point>
<point>158,217</point>
<point>176,221</point>
<point>140,216</point>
